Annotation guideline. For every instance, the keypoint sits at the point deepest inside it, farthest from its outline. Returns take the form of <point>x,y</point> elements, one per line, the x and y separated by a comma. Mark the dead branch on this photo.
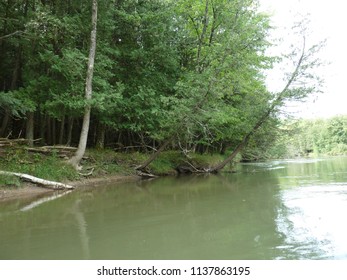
<point>87,174</point>
<point>192,166</point>
<point>12,34</point>
<point>145,174</point>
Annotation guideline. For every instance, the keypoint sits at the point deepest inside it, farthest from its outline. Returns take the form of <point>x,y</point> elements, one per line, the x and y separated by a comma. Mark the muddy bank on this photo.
<point>26,191</point>
<point>29,190</point>
<point>91,182</point>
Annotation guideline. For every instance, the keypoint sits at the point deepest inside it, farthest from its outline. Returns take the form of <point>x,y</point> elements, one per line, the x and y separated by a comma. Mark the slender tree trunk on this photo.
<point>49,130</point>
<point>75,160</point>
<point>100,137</point>
<point>202,36</point>
<point>214,25</point>
<point>239,147</point>
<point>156,153</point>
<point>61,132</point>
<point>69,131</point>
<point>54,134</point>
<point>245,139</point>
<point>16,70</point>
<point>280,98</point>
<point>5,121</point>
<point>42,128</point>
<point>29,132</point>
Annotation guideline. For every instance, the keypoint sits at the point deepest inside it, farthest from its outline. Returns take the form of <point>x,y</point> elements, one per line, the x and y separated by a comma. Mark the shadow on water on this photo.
<point>261,212</point>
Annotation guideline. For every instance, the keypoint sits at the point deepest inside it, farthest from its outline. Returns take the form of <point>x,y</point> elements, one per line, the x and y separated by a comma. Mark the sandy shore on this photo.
<point>31,190</point>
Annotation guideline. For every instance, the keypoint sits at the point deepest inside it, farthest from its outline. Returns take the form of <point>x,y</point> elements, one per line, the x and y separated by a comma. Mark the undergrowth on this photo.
<point>38,165</point>
<point>102,162</point>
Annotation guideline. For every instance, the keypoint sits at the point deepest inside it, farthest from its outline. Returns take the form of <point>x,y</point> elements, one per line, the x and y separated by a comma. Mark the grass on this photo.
<point>109,162</point>
<point>42,166</point>
<point>104,162</point>
<point>166,163</point>
<point>169,161</point>
<point>9,182</point>
<point>206,161</point>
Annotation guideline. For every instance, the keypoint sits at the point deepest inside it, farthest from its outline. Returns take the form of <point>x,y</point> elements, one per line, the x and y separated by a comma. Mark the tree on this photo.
<point>12,20</point>
<point>75,160</point>
<point>222,55</point>
<point>300,83</point>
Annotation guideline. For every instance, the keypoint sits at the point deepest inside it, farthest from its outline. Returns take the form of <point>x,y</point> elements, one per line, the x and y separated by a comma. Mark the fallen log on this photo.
<point>46,149</point>
<point>38,150</point>
<point>63,148</point>
<point>12,142</point>
<point>39,181</point>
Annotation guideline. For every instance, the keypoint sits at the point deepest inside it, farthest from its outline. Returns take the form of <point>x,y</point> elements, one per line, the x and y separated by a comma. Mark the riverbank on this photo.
<point>28,190</point>
<point>99,167</point>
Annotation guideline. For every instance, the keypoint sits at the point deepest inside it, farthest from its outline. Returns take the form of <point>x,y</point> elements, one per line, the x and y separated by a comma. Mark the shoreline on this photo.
<point>108,167</point>
<point>31,191</point>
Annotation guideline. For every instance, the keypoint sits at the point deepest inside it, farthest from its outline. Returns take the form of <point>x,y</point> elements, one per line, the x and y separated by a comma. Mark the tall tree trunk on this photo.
<point>100,137</point>
<point>61,132</point>
<point>75,160</point>
<point>280,98</point>
<point>69,131</point>
<point>49,130</point>
<point>29,132</point>
<point>42,129</point>
<point>54,136</point>
<point>202,37</point>
<point>235,152</point>
<point>5,122</point>
<point>156,153</point>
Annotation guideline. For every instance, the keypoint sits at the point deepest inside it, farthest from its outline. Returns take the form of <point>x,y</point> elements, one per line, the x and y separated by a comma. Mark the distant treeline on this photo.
<point>315,137</point>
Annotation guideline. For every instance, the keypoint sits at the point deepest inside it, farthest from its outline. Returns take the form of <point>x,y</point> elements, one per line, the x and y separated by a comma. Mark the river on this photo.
<point>285,209</point>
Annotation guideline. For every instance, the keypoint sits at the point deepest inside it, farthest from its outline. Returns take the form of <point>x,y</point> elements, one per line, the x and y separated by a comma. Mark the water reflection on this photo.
<point>313,195</point>
<point>38,202</point>
<point>313,222</point>
<point>82,227</point>
<point>272,210</point>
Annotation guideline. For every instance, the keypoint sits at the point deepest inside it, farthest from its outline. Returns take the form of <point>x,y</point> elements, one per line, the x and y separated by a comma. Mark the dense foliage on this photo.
<point>193,69</point>
<point>327,137</point>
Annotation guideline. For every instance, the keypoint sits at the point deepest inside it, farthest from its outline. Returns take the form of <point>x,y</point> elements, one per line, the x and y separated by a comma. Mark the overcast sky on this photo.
<point>328,21</point>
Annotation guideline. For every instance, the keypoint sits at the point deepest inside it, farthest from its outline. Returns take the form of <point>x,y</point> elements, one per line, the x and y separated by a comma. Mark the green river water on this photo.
<point>290,209</point>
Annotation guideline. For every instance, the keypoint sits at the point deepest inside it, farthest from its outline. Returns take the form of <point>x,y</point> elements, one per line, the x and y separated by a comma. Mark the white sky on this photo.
<point>328,21</point>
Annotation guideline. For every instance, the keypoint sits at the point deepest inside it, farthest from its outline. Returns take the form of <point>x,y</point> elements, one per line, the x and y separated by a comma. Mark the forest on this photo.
<point>312,137</point>
<point>147,76</point>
